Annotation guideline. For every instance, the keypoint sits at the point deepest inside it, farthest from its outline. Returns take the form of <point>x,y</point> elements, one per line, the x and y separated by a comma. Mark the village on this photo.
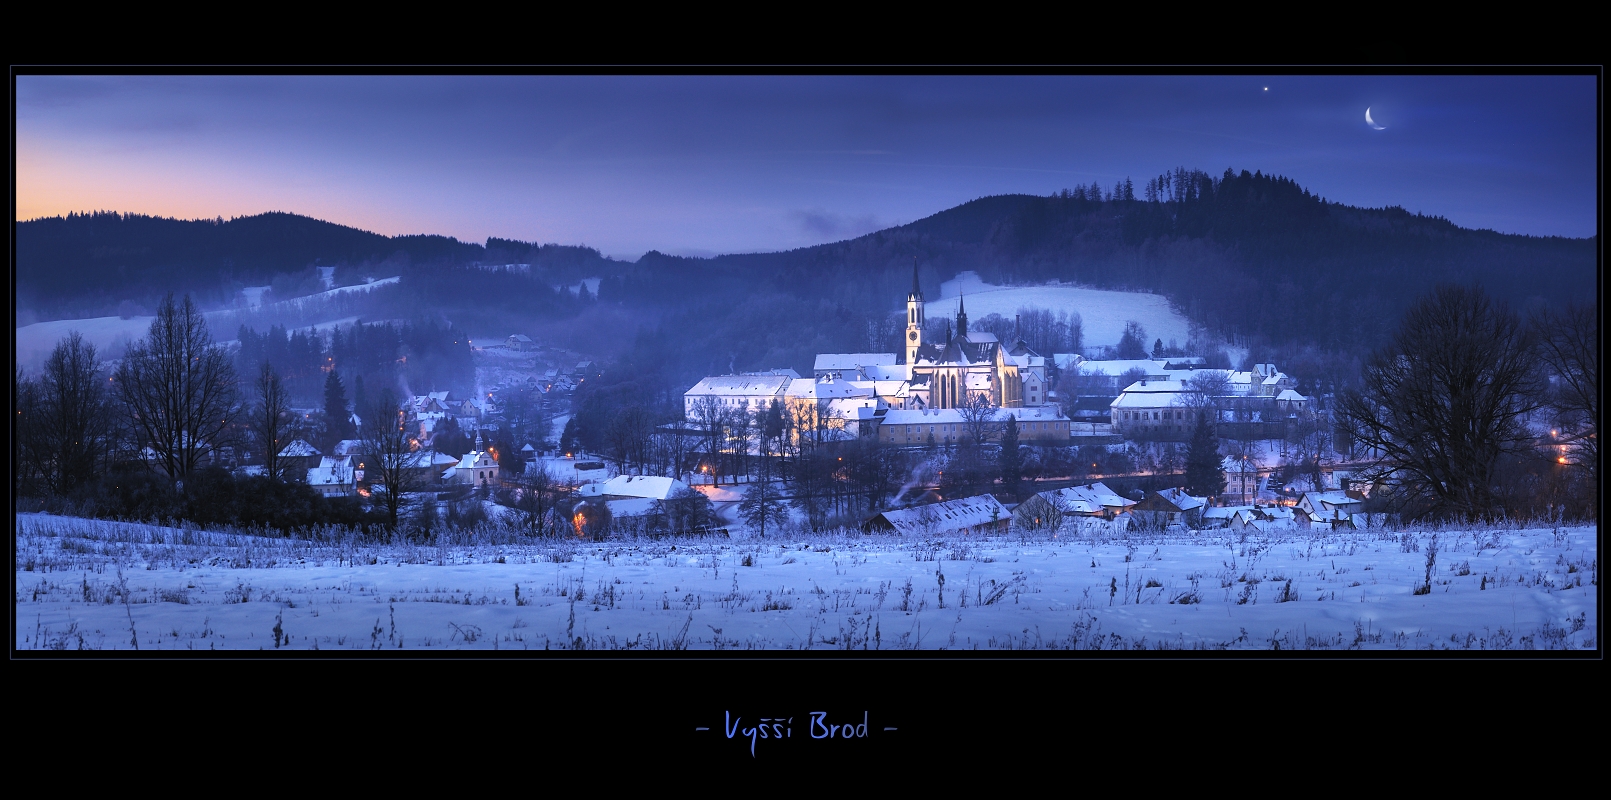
<point>1105,443</point>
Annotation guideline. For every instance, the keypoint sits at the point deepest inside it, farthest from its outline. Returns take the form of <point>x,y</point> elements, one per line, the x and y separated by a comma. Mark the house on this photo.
<point>334,477</point>
<point>731,393</point>
<point>1329,507</point>
<point>299,456</point>
<point>633,495</point>
<point>971,515</point>
<point>626,487</point>
<point>1168,507</point>
<point>520,342</point>
<point>1152,407</point>
<point>1094,500</point>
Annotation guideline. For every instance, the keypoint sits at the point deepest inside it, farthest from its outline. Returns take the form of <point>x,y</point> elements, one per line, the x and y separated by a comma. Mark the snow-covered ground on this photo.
<point>340,290</point>
<point>111,334</point>
<point>1102,312</point>
<point>105,585</point>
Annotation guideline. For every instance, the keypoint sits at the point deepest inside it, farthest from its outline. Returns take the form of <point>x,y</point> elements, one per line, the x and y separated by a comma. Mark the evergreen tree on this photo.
<point>1204,475</point>
<point>337,417</point>
<point>1157,349</point>
<point>1011,461</point>
<point>567,439</point>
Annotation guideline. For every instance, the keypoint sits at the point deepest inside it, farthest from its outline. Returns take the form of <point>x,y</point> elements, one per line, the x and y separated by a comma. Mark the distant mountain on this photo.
<point>1244,254</point>
<point>84,264</point>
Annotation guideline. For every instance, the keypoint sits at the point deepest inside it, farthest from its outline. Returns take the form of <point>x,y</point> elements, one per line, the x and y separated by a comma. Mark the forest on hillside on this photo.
<point>1251,258</point>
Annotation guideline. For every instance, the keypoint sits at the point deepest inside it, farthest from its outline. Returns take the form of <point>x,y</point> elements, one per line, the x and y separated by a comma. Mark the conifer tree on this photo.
<point>1011,461</point>
<point>337,417</point>
<point>1205,476</point>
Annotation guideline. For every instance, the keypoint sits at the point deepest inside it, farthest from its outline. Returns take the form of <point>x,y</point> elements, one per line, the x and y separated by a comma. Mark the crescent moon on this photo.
<point>1371,122</point>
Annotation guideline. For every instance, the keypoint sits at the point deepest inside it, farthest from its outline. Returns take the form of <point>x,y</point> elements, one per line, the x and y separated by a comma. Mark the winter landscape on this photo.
<point>97,585</point>
<point>1340,399</point>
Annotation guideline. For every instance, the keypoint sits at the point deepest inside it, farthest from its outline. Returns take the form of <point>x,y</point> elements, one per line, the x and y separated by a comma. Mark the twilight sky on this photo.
<point>705,165</point>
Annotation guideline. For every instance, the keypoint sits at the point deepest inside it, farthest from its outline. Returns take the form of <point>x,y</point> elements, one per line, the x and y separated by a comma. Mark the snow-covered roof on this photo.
<point>1333,499</point>
<point>1156,387</point>
<point>1145,399</point>
<point>740,386</point>
<point>1095,496</point>
<point>811,388</point>
<point>654,487</point>
<point>1181,500</point>
<point>884,372</point>
<point>784,372</point>
<point>848,362</point>
<point>1288,394</point>
<point>1223,512</point>
<point>476,459</point>
<point>520,337</point>
<point>951,515</point>
<point>299,448</point>
<point>347,447</point>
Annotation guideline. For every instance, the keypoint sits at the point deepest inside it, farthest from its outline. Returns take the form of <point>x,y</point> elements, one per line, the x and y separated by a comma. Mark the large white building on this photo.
<point>854,392</point>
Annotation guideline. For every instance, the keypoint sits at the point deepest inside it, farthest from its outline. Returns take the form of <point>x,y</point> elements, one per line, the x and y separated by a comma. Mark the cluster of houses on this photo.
<point>1175,508</point>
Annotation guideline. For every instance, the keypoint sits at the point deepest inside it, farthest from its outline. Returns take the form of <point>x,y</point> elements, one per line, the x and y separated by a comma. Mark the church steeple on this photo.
<point>962,319</point>
<point>914,318</point>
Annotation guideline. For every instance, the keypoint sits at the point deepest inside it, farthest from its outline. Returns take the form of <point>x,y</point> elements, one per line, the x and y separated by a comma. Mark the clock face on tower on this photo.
<point>911,335</point>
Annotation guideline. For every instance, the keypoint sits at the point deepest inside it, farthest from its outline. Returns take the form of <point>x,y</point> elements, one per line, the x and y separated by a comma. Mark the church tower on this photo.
<point>962,319</point>
<point>914,318</point>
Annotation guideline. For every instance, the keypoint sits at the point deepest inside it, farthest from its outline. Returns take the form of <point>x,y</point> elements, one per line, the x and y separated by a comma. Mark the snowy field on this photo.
<point>1103,312</point>
<point>111,334</point>
<point>85,584</point>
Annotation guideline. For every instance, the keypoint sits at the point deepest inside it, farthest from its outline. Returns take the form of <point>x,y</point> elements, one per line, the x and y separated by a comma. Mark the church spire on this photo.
<point>962,319</point>
<point>914,317</point>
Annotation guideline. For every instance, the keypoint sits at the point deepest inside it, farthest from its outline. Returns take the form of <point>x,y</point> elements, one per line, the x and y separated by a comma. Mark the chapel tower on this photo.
<point>914,318</point>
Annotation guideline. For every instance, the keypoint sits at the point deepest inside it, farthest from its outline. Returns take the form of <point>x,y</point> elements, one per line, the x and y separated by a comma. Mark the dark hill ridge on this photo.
<point>82,263</point>
<point>1246,254</point>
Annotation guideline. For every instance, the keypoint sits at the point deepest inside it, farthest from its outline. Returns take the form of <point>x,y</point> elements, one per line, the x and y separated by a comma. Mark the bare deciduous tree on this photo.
<point>391,464</point>
<point>272,419</point>
<point>978,419</point>
<point>179,389</point>
<point>1445,401</point>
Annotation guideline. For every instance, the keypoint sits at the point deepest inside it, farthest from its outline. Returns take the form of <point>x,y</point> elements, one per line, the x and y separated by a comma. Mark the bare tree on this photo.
<point>1569,342</point>
<point>1445,401</point>
<point>179,388</point>
<point>538,498</point>
<point>72,422</point>
<point>391,464</point>
<point>272,419</point>
<point>1204,388</point>
<point>978,419</point>
<point>627,437</point>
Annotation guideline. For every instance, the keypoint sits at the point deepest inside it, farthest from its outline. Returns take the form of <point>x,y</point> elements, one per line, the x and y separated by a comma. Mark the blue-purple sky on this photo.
<point>705,165</point>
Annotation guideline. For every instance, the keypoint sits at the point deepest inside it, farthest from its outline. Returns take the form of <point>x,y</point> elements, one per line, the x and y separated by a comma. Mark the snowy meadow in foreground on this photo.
<point>99,585</point>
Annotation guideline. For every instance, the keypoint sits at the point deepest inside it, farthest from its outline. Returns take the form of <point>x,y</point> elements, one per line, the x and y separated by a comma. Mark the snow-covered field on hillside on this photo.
<point>1103,312</point>
<point>105,585</point>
